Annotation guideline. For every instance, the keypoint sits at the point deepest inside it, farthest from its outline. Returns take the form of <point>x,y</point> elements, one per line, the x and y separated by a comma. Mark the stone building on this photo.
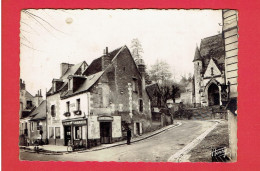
<point>209,72</point>
<point>28,103</point>
<point>95,104</point>
<point>187,97</point>
<point>230,34</point>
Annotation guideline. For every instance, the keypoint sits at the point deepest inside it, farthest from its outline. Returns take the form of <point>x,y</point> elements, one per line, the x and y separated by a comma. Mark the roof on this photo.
<point>91,79</point>
<point>150,89</point>
<point>212,48</point>
<point>71,71</point>
<point>28,95</point>
<point>96,64</point>
<point>39,113</point>
<point>197,55</point>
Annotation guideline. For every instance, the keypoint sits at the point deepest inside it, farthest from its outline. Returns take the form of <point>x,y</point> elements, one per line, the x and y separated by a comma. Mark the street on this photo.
<point>155,149</point>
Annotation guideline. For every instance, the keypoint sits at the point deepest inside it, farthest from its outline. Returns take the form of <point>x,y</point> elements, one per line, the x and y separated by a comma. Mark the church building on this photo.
<point>209,72</point>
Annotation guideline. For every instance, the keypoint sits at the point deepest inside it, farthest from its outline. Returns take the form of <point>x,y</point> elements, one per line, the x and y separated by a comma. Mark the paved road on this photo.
<point>155,149</point>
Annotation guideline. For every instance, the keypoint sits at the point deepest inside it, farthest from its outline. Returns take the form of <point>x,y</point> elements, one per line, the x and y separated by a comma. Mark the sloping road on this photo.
<point>155,149</point>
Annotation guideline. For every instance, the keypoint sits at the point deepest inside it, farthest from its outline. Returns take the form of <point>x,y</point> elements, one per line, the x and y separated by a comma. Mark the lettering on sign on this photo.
<point>105,118</point>
<point>80,122</point>
<point>67,123</point>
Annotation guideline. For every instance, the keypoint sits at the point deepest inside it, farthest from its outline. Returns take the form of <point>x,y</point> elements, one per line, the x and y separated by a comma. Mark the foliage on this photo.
<point>160,72</point>
<point>137,50</point>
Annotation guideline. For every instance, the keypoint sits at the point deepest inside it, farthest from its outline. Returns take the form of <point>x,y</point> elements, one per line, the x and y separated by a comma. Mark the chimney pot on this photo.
<point>106,50</point>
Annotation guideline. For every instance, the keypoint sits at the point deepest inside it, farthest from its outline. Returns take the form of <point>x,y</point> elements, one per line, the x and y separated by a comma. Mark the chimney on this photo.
<point>64,67</point>
<point>22,85</point>
<point>105,59</point>
<point>141,69</point>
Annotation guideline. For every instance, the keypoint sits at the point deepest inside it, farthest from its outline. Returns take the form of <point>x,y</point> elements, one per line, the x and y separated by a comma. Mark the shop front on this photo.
<point>75,132</point>
<point>105,123</point>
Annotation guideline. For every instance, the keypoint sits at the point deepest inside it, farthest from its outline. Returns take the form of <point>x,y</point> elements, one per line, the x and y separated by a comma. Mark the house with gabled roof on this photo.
<point>209,72</point>
<point>97,105</point>
<point>28,103</point>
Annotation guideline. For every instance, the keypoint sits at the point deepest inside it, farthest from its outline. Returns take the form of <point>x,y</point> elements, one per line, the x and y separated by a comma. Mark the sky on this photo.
<point>50,37</point>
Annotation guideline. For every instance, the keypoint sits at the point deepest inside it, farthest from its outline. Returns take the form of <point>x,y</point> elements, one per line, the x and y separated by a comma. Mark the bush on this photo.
<point>183,114</point>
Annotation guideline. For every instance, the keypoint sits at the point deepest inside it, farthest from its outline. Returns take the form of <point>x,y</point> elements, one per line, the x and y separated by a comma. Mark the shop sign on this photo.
<point>105,118</point>
<point>67,123</point>
<point>81,122</point>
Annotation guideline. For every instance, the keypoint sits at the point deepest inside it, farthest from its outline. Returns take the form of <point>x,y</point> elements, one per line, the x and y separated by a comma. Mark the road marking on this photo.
<point>177,156</point>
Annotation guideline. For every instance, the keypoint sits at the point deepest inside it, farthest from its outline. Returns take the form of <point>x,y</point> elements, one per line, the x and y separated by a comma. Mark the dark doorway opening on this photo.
<point>67,134</point>
<point>105,132</point>
<point>213,95</point>
<point>138,128</point>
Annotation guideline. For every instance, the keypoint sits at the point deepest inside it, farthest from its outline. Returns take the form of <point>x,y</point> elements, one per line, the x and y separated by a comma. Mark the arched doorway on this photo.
<point>213,95</point>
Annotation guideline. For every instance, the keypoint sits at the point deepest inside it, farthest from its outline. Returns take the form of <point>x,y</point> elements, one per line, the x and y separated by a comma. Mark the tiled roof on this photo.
<point>197,55</point>
<point>39,112</point>
<point>71,70</point>
<point>28,95</point>
<point>96,64</point>
<point>91,79</point>
<point>212,47</point>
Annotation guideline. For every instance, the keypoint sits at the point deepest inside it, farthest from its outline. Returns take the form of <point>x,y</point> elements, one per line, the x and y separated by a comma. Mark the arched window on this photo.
<point>53,113</point>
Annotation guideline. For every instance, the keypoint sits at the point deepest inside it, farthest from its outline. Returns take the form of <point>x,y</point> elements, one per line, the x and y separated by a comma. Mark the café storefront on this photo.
<point>75,132</point>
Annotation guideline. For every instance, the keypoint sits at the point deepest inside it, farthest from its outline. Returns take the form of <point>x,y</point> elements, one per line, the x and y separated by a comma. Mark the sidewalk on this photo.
<point>58,150</point>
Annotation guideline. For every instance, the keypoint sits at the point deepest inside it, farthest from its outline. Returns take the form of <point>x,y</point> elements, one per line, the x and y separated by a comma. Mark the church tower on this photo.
<point>197,76</point>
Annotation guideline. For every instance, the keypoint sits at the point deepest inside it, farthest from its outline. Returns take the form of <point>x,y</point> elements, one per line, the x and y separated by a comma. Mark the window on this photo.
<point>70,84</point>
<point>123,68</point>
<point>78,132</point>
<point>78,105</point>
<point>53,113</point>
<point>212,71</point>
<point>134,86</point>
<point>32,126</point>
<point>39,127</point>
<point>28,104</point>
<point>140,105</point>
<point>57,133</point>
<point>51,132</point>
<point>54,86</point>
<point>68,106</point>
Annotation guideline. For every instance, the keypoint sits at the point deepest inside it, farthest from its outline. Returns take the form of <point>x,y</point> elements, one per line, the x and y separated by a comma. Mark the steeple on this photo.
<point>197,55</point>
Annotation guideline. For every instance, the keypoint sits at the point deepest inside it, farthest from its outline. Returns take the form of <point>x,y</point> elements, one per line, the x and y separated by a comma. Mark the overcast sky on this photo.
<point>50,37</point>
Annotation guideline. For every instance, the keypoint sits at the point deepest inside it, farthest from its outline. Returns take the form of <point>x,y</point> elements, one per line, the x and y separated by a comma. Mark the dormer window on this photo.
<point>54,86</point>
<point>70,84</point>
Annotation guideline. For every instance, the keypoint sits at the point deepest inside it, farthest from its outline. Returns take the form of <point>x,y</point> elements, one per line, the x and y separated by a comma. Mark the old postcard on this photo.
<point>128,85</point>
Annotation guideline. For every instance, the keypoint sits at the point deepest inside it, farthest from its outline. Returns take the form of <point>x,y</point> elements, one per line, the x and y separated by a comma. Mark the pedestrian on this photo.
<point>129,136</point>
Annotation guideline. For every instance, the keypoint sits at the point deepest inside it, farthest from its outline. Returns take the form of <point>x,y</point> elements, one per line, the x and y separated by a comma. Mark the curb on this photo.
<point>179,154</point>
<point>47,152</point>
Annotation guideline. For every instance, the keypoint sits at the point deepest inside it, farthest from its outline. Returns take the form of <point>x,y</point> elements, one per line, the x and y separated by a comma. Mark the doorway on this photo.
<point>105,132</point>
<point>67,134</point>
<point>213,95</point>
<point>138,128</point>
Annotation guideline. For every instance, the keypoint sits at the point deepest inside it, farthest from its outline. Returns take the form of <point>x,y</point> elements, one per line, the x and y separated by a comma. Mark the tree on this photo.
<point>137,50</point>
<point>160,72</point>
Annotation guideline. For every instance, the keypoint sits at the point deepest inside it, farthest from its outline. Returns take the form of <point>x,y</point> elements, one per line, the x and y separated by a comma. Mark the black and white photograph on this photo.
<point>128,85</point>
